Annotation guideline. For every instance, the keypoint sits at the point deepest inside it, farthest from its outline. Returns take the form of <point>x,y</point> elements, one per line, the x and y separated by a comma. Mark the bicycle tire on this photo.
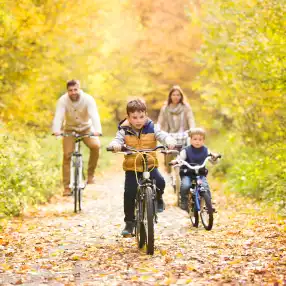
<point>80,189</point>
<point>206,213</point>
<point>79,199</point>
<point>139,227</point>
<point>75,190</point>
<point>149,220</point>
<point>178,187</point>
<point>193,212</point>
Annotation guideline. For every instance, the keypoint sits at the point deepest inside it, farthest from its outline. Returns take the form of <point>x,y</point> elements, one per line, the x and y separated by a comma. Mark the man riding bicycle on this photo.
<point>77,112</point>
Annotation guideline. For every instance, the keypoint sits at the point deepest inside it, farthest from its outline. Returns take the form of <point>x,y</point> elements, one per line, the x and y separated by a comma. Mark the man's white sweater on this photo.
<point>76,115</point>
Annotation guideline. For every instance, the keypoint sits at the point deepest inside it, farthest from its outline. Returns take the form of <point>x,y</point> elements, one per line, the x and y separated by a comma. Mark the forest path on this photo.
<point>54,246</point>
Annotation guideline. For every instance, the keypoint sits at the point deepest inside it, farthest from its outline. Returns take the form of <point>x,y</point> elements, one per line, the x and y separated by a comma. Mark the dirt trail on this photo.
<point>53,246</point>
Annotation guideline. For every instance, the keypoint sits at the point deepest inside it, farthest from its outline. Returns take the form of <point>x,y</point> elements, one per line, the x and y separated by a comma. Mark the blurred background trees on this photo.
<point>228,57</point>
<point>243,81</point>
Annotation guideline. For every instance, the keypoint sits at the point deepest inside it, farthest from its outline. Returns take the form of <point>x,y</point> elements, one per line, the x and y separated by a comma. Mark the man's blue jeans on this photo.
<point>186,183</point>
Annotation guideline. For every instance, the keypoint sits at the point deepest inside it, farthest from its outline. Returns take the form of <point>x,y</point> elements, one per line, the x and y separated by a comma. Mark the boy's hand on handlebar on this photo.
<point>96,133</point>
<point>215,156</point>
<point>116,147</point>
<point>171,146</point>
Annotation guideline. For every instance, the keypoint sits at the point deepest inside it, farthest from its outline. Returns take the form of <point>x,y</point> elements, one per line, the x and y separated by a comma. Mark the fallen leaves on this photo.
<point>66,249</point>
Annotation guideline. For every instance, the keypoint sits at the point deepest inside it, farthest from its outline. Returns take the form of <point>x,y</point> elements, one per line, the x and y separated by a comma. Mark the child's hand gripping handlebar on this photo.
<point>180,162</point>
<point>129,150</point>
<point>76,135</point>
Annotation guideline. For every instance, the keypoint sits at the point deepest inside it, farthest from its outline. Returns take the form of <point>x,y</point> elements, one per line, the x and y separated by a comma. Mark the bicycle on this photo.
<point>176,180</point>
<point>146,200</point>
<point>182,141</point>
<point>77,179</point>
<point>199,201</point>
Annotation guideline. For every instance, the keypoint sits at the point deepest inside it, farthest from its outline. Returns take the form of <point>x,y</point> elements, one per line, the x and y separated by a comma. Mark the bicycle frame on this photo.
<point>77,183</point>
<point>145,202</point>
<point>197,192</point>
<point>198,177</point>
<point>145,181</point>
<point>199,201</point>
<point>77,163</point>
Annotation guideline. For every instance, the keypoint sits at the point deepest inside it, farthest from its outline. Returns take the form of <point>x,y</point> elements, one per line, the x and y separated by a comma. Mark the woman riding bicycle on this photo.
<point>176,117</point>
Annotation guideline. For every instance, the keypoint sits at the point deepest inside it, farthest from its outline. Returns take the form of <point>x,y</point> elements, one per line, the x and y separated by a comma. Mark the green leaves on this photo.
<point>243,81</point>
<point>29,172</point>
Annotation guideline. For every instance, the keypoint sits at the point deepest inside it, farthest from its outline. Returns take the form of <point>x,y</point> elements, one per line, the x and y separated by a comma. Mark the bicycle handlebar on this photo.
<point>181,162</point>
<point>76,135</point>
<point>175,152</point>
<point>129,150</point>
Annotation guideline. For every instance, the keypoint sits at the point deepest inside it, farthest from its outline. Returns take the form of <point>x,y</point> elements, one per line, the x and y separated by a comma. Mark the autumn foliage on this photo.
<point>228,56</point>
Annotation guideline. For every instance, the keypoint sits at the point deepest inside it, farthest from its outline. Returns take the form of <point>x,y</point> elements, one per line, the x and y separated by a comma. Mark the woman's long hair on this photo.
<point>174,88</point>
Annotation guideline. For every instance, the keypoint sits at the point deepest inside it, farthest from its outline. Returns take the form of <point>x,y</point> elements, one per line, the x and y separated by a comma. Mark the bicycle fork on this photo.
<point>196,194</point>
<point>76,164</point>
<point>141,205</point>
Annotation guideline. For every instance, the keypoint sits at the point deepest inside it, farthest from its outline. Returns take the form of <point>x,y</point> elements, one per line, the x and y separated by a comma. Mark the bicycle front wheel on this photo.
<point>206,211</point>
<point>148,216</point>
<point>77,192</point>
<point>139,227</point>
<point>79,199</point>
<point>193,211</point>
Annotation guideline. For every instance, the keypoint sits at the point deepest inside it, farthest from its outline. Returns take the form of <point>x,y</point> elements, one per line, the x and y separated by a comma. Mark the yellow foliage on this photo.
<point>116,49</point>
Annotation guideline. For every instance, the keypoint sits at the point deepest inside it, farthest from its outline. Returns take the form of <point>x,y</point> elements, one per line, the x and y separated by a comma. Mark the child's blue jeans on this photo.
<point>186,183</point>
<point>131,190</point>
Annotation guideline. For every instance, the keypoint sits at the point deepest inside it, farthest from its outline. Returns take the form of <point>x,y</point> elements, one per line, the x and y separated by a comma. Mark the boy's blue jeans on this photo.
<point>186,183</point>
<point>131,190</point>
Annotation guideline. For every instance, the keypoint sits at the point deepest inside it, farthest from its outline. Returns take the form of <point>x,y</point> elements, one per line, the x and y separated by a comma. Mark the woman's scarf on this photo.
<point>175,117</point>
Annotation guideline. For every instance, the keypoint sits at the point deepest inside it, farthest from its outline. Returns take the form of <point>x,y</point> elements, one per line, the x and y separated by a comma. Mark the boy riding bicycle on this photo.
<point>139,132</point>
<point>194,154</point>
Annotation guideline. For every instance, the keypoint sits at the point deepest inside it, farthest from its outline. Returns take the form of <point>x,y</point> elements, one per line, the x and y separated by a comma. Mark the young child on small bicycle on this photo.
<point>194,154</point>
<point>139,132</point>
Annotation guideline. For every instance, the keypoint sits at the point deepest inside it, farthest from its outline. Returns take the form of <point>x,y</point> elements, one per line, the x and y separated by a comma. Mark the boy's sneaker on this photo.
<point>128,230</point>
<point>160,205</point>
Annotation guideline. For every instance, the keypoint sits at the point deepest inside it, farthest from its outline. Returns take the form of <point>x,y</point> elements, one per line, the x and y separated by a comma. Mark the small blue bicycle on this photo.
<point>199,200</point>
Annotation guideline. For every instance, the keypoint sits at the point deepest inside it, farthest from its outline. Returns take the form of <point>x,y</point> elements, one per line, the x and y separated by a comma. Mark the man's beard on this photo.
<point>74,97</point>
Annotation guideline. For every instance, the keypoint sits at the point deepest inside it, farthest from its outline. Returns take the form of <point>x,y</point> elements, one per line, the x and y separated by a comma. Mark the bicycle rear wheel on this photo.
<point>148,215</point>
<point>206,213</point>
<point>193,212</point>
